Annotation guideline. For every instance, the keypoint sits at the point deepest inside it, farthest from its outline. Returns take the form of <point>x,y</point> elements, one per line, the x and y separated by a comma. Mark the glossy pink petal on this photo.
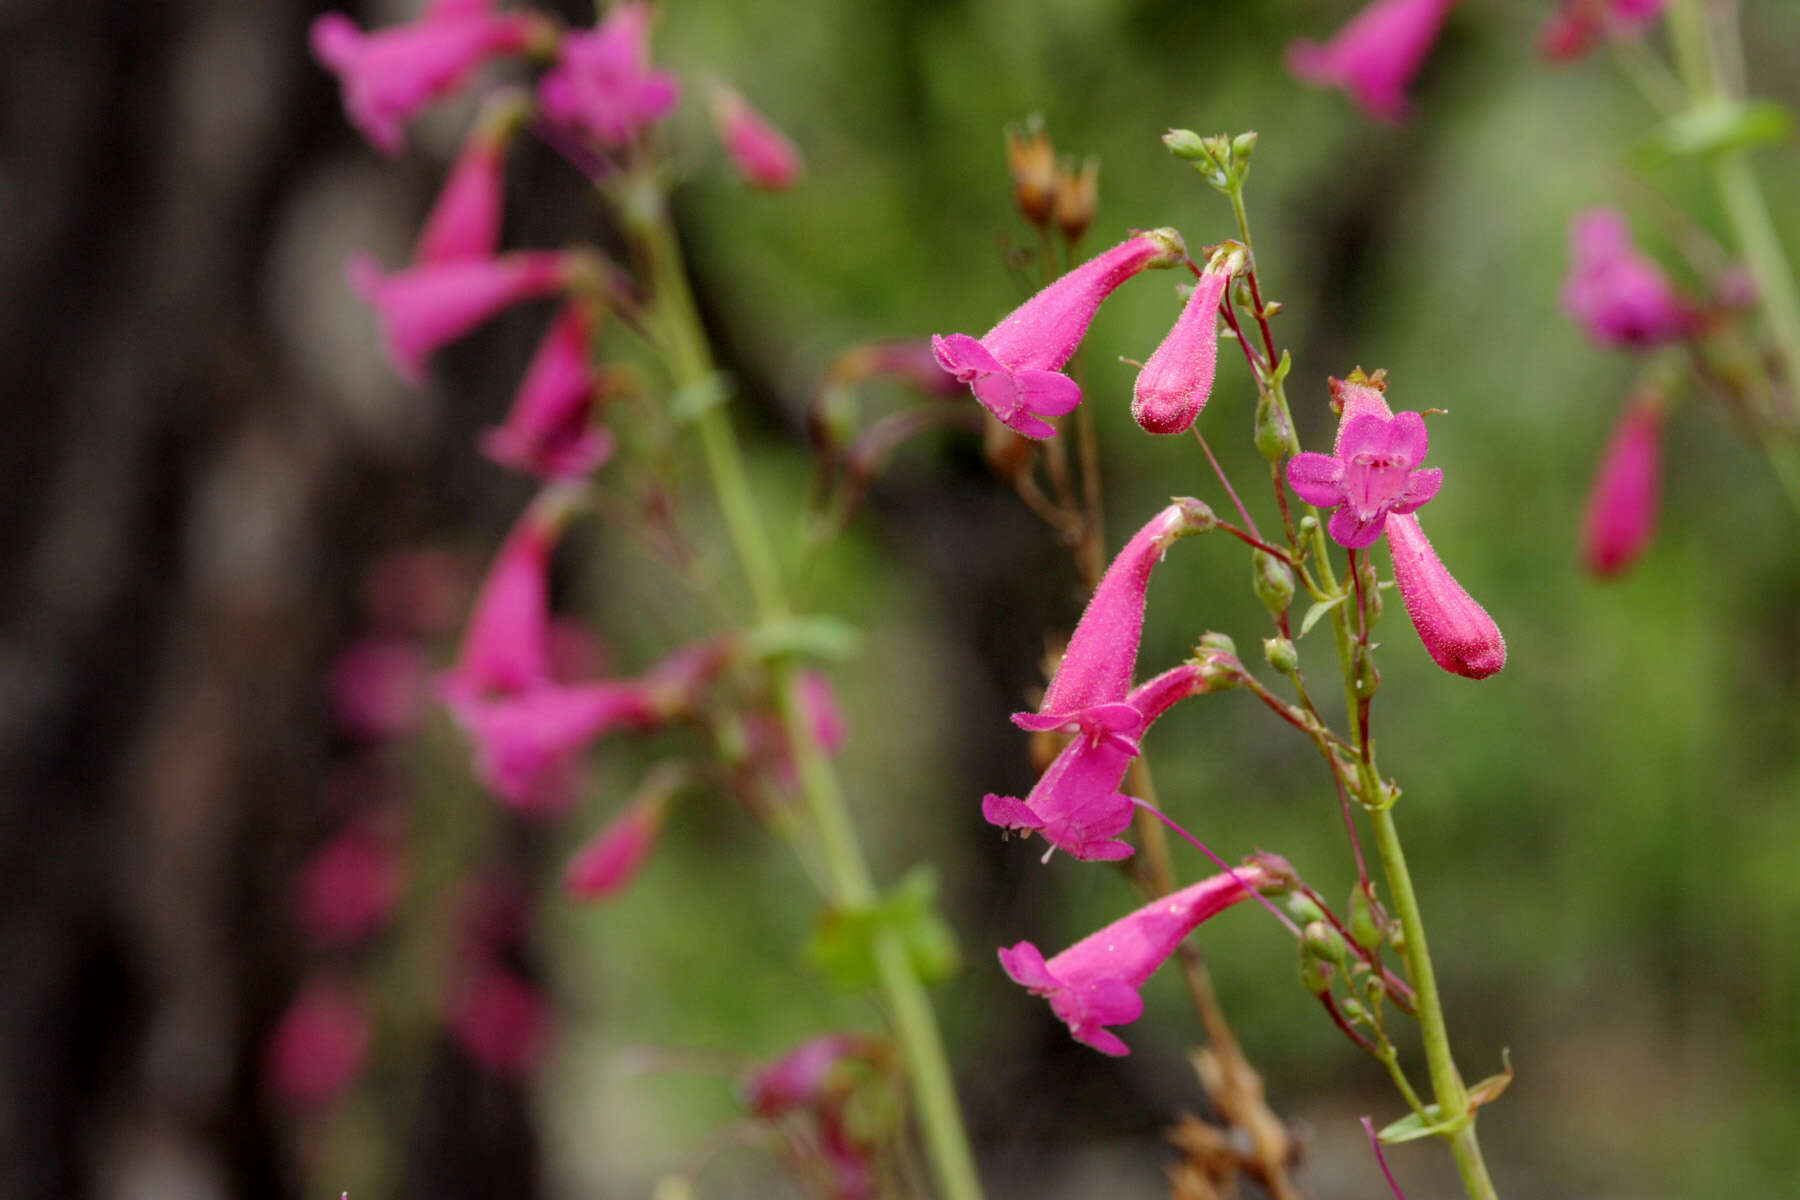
<point>603,84</point>
<point>548,432</point>
<point>762,154</point>
<point>464,224</point>
<point>505,648</point>
<point>423,309</point>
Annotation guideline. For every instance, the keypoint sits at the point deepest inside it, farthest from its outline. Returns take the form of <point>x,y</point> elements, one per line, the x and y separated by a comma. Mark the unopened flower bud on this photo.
<point>1280,654</point>
<point>1243,146</point>
<point>1315,976</point>
<point>1304,909</point>
<point>1367,679</point>
<point>1371,588</point>
<point>1274,582</point>
<point>1274,430</point>
<point>1353,1009</point>
<point>1309,525</point>
<point>1032,161</point>
<point>1363,927</point>
<point>1324,942</point>
<point>1077,196</point>
<point>1187,145</point>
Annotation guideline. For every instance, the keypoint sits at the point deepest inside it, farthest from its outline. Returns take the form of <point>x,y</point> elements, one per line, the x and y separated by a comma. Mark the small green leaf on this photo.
<point>843,946</point>
<point>815,636</point>
<point>1318,610</point>
<point>1413,1126</point>
<point>1721,125</point>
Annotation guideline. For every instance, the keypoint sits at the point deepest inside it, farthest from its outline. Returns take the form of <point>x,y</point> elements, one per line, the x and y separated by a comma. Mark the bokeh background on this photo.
<point>204,454</point>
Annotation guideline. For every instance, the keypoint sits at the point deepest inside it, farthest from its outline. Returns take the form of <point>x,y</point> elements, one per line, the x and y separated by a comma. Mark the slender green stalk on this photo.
<point>852,885</point>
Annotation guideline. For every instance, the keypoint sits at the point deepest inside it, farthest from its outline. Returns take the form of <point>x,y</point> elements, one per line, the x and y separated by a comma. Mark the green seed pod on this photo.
<point>1274,582</point>
<point>1362,919</point>
<point>1280,654</point>
<point>1274,432</point>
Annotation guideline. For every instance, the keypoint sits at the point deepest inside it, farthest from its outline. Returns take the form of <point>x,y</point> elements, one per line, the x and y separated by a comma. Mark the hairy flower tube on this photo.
<point>1076,804</point>
<point>1376,55</point>
<point>548,432</point>
<point>1014,369</point>
<point>389,75</point>
<point>603,84</point>
<point>762,154</point>
<point>1095,982</point>
<point>1373,473</point>
<point>1457,632</point>
<point>1177,380</point>
<point>1578,25</point>
<point>1618,295</point>
<point>1621,509</point>
<point>1090,685</point>
<point>423,309</point>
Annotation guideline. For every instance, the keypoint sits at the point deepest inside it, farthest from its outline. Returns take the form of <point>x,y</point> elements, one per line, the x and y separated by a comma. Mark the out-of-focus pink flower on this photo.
<point>761,153</point>
<point>505,648</point>
<point>1617,294</point>
<point>1095,982</point>
<point>603,83</point>
<point>1090,686</point>
<point>317,1049</point>
<point>1457,632</point>
<point>1621,510</point>
<point>1375,472</point>
<point>548,433</point>
<point>818,700</point>
<point>501,1021</point>
<point>611,859</point>
<point>391,74</point>
<point>912,363</point>
<point>350,887</point>
<point>379,687</point>
<point>1014,368</point>
<point>1174,385</point>
<point>1578,25</point>
<point>423,309</point>
<point>464,224</point>
<point>1376,55</point>
<point>803,1077</point>
<point>415,593</point>
<point>1076,804</point>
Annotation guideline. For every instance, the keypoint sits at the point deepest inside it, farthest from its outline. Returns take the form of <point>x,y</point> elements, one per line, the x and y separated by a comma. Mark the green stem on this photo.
<point>852,885</point>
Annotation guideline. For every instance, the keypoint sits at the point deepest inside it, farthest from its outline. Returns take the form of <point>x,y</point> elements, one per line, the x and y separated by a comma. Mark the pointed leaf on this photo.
<point>1318,610</point>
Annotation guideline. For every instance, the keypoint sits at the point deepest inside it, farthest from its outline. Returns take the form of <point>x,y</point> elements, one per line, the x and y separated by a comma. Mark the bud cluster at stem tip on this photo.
<point>1222,160</point>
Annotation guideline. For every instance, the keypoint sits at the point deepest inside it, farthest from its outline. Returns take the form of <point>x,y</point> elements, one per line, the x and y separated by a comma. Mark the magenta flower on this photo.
<point>501,1021</point>
<point>913,363</point>
<point>1090,686</point>
<point>1095,982</point>
<point>1174,385</point>
<point>317,1049</point>
<point>423,309</point>
<point>548,432</point>
<point>464,224</point>
<point>1076,804</point>
<point>1617,294</point>
<point>1574,28</point>
<point>762,154</point>
<point>350,887</point>
<point>506,646</point>
<point>611,859</point>
<point>802,1078</point>
<point>1371,475</point>
<point>389,75</point>
<point>379,687</point>
<point>1457,632</point>
<point>1376,55</point>
<point>602,82</point>
<point>1621,511</point>
<point>1014,367</point>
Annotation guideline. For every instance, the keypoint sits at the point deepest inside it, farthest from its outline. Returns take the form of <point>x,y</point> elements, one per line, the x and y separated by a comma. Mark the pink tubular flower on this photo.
<point>761,153</point>
<point>611,859</point>
<point>1091,682</point>
<point>1457,632</point>
<point>423,309</point>
<point>602,82</point>
<point>501,1021</point>
<point>1376,55</point>
<point>350,888</point>
<point>1076,804</point>
<point>506,646</point>
<point>1014,367</point>
<point>1174,385</point>
<point>464,224</point>
<point>548,433</point>
<point>1095,982</point>
<point>390,75</point>
<point>378,687</point>
<point>1371,475</point>
<point>1621,511</point>
<point>801,1078</point>
<point>1617,294</point>
<point>317,1049</point>
<point>1574,29</point>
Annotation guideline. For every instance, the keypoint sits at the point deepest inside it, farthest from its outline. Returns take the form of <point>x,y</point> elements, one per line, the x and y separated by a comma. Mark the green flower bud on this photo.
<point>1363,927</point>
<point>1274,431</point>
<point>1315,976</point>
<point>1274,582</point>
<point>1371,587</point>
<point>1325,942</point>
<point>1280,654</point>
<point>1187,145</point>
<point>1300,906</point>
<point>1243,146</point>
